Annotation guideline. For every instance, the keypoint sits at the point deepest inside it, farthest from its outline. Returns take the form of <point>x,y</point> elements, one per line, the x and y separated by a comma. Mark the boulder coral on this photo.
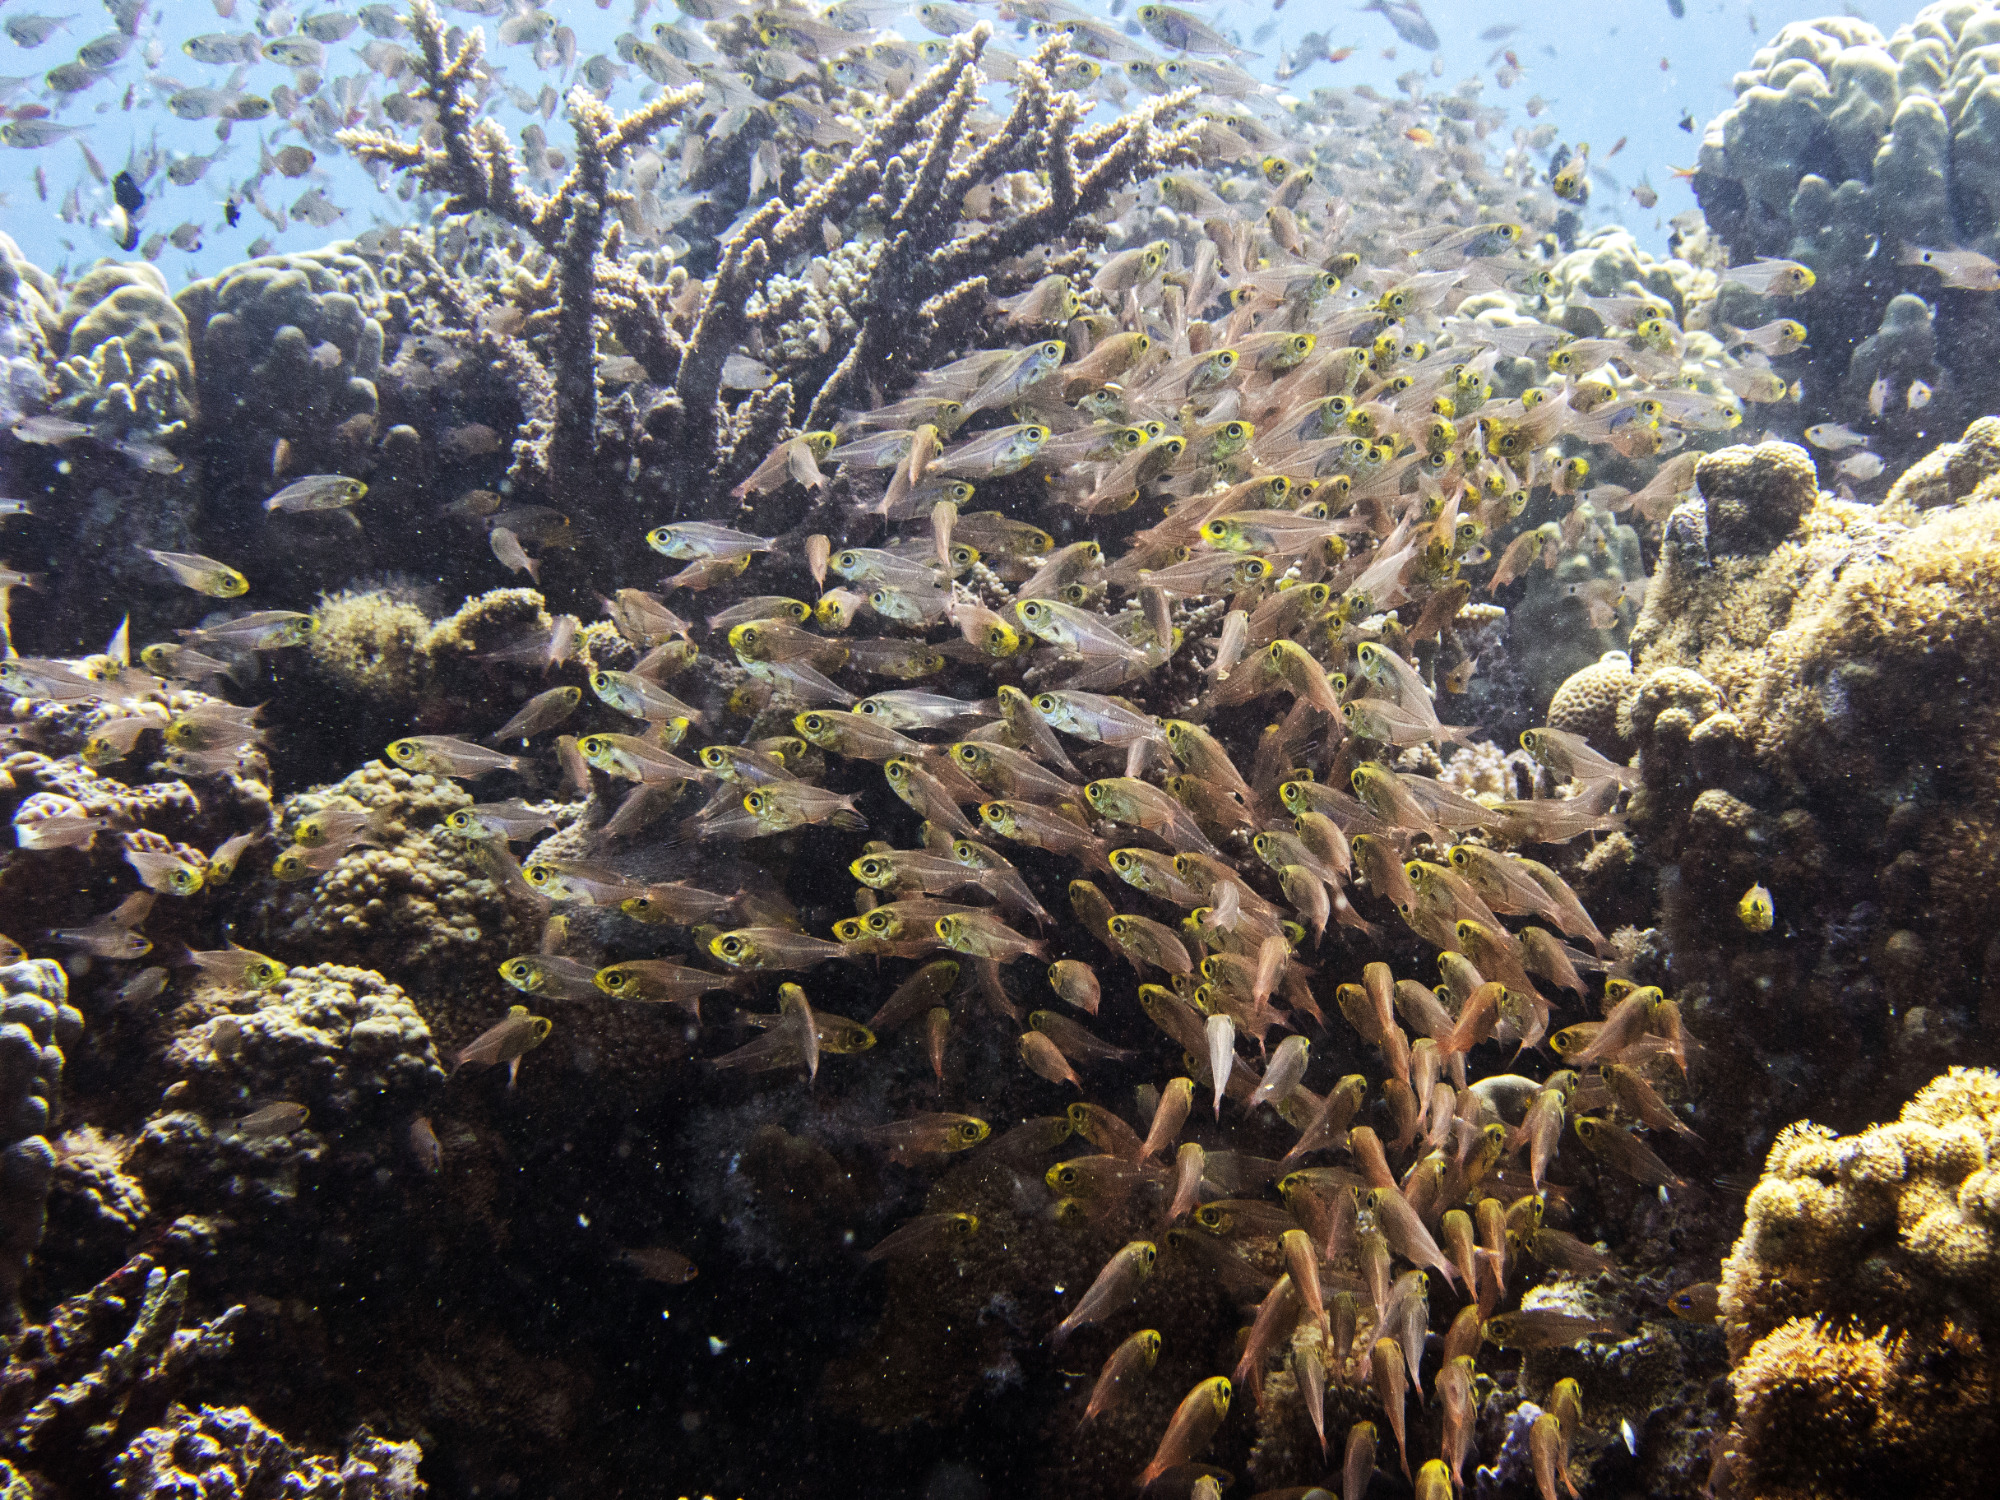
<point>1811,703</point>
<point>127,366</point>
<point>1860,1305</point>
<point>1851,151</point>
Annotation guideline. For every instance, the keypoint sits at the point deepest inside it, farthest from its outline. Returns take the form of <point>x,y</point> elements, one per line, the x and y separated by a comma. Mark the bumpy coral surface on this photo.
<point>218,1453</point>
<point>1859,1303</point>
<point>997,828</point>
<point>1852,152</point>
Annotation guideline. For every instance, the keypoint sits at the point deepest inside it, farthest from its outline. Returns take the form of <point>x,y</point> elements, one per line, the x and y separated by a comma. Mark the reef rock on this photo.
<point>36,1023</point>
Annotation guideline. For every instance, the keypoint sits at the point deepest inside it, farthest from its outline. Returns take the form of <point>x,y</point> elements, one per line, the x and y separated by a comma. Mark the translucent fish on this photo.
<point>1769,277</point>
<point>441,755</point>
<point>1966,270</point>
<point>202,574</point>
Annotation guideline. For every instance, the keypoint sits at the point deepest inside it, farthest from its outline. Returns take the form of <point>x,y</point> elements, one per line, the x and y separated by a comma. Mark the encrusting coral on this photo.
<point>1861,1309</point>
<point>416,901</point>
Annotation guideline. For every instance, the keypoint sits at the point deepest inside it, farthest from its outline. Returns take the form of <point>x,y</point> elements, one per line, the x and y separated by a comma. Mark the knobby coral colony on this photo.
<point>1132,483</point>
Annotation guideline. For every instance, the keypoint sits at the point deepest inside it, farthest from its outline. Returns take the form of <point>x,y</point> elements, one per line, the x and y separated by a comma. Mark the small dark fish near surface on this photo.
<point>1409,20</point>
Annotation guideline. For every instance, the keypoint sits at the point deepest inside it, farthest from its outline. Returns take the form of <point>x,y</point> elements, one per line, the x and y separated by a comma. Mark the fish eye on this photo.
<point>732,945</point>
<point>812,723</point>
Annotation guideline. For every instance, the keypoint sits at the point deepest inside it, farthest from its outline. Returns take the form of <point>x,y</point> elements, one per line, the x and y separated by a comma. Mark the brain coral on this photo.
<point>1587,702</point>
<point>1862,1302</point>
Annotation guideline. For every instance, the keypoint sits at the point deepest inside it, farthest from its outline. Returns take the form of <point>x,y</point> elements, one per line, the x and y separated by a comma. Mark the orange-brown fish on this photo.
<point>1122,1373</point>
<point>1115,1286</point>
<point>1195,1423</point>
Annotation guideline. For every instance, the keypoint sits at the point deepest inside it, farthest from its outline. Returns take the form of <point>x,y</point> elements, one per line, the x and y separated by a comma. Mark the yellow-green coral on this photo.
<point>369,642</point>
<point>1862,1301</point>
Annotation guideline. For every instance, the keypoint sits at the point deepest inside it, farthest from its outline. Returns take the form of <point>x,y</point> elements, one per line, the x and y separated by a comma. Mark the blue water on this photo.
<point>1607,72</point>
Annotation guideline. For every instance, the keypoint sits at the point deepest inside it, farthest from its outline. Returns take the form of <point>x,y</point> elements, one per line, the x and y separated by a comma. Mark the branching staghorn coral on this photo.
<point>912,173</point>
<point>73,1387</point>
<point>477,165</point>
<point>923,271</point>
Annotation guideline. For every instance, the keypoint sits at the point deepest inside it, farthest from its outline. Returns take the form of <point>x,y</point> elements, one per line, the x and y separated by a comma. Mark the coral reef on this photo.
<point>218,1451</point>
<point>126,363</point>
<point>1859,1303</point>
<point>1126,529</point>
<point>36,1024</point>
<point>1851,152</point>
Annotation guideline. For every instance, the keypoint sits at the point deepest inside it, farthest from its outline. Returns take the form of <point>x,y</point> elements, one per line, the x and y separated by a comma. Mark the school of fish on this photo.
<point>1111,673</point>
